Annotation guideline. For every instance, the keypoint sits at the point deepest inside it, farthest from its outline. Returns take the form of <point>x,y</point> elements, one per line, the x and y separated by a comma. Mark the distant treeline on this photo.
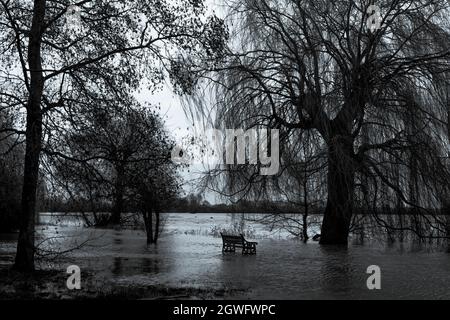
<point>189,204</point>
<point>194,204</point>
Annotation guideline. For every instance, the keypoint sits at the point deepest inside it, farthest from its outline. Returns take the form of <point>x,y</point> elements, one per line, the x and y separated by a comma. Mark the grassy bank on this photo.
<point>51,284</point>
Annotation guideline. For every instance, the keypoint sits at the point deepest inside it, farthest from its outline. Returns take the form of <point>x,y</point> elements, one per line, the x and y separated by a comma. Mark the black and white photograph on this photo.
<point>236,151</point>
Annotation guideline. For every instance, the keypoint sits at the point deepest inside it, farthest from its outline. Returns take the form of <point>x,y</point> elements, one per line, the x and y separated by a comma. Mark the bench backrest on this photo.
<point>232,239</point>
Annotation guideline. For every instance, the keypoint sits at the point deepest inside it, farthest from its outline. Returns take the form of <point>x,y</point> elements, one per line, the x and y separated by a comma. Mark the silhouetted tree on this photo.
<point>11,155</point>
<point>56,55</point>
<point>115,155</point>
<point>154,191</point>
<point>318,66</point>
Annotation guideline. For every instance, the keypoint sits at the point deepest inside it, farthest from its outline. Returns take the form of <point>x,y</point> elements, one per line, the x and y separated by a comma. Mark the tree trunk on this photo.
<point>118,197</point>
<point>447,220</point>
<point>157,226</point>
<point>306,210</point>
<point>305,228</point>
<point>148,222</point>
<point>447,195</point>
<point>149,226</point>
<point>341,171</point>
<point>24,260</point>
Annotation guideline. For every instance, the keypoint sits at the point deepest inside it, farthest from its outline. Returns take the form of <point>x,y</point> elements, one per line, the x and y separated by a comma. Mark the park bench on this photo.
<point>231,242</point>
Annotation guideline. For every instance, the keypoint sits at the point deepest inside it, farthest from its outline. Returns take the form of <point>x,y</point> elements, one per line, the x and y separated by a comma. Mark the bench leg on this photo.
<point>249,249</point>
<point>228,247</point>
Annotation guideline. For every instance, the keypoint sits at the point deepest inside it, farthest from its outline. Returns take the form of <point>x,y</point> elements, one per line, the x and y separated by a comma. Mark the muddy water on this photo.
<point>189,256</point>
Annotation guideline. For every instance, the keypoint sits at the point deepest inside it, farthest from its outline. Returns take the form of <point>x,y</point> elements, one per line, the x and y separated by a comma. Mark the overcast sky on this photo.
<point>177,123</point>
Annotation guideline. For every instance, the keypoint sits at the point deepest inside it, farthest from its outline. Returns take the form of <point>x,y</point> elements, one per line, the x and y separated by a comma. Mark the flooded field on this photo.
<point>189,255</point>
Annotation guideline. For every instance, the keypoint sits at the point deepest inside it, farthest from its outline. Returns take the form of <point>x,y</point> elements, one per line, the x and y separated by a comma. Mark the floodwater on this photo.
<point>188,255</point>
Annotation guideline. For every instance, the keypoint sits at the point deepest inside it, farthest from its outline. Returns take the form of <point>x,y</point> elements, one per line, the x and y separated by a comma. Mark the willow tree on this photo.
<point>57,52</point>
<point>300,183</point>
<point>338,69</point>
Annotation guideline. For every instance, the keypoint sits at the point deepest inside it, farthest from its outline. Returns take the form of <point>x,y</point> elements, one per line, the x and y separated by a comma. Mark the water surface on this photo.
<point>188,255</point>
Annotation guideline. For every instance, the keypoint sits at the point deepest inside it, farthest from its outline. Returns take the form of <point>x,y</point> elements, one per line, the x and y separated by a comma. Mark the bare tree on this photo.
<point>104,153</point>
<point>11,155</point>
<point>300,183</point>
<point>318,66</point>
<point>49,63</point>
<point>154,192</point>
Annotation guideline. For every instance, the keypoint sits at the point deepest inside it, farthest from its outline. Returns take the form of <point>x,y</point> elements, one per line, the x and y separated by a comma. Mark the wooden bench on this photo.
<point>230,243</point>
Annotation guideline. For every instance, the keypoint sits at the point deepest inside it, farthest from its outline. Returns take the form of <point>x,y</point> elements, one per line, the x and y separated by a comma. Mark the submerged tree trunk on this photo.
<point>147,211</point>
<point>339,209</point>
<point>447,216</point>
<point>151,230</point>
<point>149,226</point>
<point>447,191</point>
<point>118,197</point>
<point>306,209</point>
<point>305,228</point>
<point>24,260</point>
<point>157,226</point>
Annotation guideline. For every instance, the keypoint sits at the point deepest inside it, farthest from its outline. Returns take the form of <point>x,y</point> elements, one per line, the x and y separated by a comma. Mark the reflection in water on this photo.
<point>281,269</point>
<point>336,268</point>
<point>149,265</point>
<point>117,266</point>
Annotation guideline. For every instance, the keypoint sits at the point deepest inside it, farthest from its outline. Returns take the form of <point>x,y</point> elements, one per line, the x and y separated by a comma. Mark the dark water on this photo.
<point>188,256</point>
